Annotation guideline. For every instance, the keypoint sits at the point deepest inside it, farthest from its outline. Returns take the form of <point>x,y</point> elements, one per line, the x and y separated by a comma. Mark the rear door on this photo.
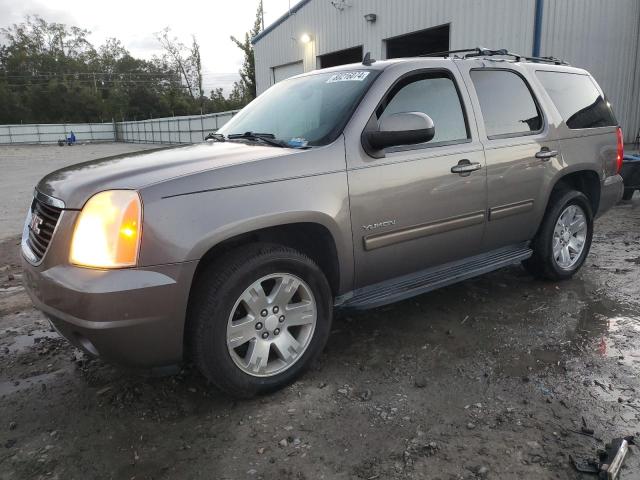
<point>521,149</point>
<point>409,210</point>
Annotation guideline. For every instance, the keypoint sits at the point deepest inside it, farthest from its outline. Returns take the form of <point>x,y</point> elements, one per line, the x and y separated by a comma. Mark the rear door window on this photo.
<point>507,104</point>
<point>577,99</point>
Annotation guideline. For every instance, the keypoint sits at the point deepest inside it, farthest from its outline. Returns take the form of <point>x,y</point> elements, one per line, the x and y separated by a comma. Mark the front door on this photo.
<point>409,210</point>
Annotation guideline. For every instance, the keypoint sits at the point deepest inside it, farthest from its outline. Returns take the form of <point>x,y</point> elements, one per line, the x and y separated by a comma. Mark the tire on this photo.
<point>226,296</point>
<point>543,264</point>
<point>628,194</point>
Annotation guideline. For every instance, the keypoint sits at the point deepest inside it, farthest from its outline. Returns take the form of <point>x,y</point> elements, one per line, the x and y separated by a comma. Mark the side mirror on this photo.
<point>398,129</point>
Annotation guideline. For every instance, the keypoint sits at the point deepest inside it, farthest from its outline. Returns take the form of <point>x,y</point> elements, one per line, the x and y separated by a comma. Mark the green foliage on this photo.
<point>245,89</point>
<point>51,73</point>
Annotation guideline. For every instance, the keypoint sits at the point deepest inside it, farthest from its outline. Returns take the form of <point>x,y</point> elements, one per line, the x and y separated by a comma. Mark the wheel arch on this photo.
<point>586,181</point>
<point>311,238</point>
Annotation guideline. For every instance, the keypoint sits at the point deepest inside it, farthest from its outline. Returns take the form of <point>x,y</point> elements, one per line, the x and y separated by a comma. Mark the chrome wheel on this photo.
<point>271,324</point>
<point>569,236</point>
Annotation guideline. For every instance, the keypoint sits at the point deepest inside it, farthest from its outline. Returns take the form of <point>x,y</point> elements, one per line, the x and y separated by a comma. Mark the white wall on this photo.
<point>52,132</point>
<point>187,129</point>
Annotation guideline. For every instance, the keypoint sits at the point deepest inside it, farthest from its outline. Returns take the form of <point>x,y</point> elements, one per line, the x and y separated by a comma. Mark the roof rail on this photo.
<point>448,53</point>
<point>502,52</point>
<point>554,60</point>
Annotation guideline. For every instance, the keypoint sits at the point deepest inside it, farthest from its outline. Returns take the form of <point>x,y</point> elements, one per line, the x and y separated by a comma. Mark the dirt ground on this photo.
<point>491,378</point>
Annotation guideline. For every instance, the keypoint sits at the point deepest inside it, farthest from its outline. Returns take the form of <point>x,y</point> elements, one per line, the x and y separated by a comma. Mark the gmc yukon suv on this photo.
<point>350,187</point>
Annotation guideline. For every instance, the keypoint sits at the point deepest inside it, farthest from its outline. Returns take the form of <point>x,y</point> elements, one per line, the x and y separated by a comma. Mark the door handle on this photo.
<point>546,154</point>
<point>465,166</point>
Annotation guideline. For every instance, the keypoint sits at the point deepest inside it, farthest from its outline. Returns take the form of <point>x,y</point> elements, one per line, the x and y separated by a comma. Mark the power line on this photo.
<point>88,83</point>
<point>86,73</point>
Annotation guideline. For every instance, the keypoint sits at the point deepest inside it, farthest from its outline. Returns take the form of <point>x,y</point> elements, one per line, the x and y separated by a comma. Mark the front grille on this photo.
<point>40,232</point>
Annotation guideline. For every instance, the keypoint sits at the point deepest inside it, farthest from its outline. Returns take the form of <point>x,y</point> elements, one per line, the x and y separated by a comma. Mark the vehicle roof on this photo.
<point>426,61</point>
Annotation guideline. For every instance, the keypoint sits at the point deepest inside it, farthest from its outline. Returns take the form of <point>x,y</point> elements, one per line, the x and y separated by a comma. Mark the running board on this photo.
<point>408,286</point>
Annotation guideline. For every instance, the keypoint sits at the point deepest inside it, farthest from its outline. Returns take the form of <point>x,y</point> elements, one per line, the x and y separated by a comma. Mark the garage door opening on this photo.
<point>431,40</point>
<point>341,57</point>
<point>285,71</point>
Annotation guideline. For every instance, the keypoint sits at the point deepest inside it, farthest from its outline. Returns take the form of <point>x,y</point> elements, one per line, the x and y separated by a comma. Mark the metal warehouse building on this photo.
<point>602,36</point>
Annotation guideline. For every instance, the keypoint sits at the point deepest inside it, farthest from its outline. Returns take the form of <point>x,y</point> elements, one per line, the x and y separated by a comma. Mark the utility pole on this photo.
<point>262,12</point>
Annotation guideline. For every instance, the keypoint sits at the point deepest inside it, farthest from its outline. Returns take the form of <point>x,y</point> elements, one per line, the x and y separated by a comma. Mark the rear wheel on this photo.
<point>564,239</point>
<point>258,318</point>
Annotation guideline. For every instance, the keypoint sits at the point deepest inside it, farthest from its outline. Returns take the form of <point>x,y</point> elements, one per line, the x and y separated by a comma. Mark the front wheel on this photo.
<point>564,238</point>
<point>258,318</point>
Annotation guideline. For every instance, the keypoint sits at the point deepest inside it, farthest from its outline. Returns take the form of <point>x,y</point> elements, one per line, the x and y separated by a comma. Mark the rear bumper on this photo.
<point>130,316</point>
<point>611,193</point>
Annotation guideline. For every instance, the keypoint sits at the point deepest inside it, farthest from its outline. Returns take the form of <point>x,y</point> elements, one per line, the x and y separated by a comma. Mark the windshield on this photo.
<point>306,111</point>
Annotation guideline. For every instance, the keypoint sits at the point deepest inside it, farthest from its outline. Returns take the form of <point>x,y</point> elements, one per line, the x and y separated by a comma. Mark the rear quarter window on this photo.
<point>577,99</point>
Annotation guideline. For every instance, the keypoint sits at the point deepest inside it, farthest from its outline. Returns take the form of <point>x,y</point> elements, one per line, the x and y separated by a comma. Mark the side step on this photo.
<point>407,286</point>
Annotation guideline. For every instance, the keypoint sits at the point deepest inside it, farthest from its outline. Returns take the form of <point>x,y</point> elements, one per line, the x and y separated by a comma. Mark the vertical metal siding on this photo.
<point>601,37</point>
<point>490,23</point>
<point>634,125</point>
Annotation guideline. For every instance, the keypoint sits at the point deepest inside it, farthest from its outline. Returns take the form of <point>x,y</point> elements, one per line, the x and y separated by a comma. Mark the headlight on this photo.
<point>108,230</point>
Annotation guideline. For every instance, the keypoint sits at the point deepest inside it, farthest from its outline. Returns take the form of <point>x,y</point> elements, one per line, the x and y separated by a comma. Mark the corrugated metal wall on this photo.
<point>506,23</point>
<point>599,35</point>
<point>187,129</point>
<point>52,132</point>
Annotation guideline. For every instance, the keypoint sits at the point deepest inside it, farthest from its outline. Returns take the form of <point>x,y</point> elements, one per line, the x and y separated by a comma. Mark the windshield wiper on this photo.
<point>268,138</point>
<point>218,137</point>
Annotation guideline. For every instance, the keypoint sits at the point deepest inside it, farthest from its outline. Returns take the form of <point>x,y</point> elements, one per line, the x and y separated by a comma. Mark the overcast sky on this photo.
<point>135,21</point>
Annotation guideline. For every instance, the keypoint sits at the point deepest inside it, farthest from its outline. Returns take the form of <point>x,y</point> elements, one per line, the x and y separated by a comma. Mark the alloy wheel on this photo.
<point>569,236</point>
<point>271,324</point>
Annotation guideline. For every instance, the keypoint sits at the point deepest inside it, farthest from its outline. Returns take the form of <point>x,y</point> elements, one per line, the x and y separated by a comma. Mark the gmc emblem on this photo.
<point>35,223</point>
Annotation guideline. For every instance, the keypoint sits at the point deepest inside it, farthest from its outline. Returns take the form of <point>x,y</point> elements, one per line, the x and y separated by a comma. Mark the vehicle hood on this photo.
<point>77,183</point>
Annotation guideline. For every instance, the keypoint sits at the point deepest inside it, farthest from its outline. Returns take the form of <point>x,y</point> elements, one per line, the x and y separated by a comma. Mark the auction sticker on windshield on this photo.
<point>348,77</point>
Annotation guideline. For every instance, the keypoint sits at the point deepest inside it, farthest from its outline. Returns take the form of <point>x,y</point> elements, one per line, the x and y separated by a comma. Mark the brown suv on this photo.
<point>351,187</point>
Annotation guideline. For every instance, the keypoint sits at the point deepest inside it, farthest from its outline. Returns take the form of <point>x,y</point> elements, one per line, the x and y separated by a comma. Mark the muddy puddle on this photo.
<point>15,342</point>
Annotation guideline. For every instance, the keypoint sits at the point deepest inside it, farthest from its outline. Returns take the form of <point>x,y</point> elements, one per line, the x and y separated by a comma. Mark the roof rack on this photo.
<point>486,52</point>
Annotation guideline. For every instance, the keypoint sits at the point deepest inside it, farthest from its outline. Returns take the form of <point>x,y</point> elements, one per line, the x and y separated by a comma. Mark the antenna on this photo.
<point>367,60</point>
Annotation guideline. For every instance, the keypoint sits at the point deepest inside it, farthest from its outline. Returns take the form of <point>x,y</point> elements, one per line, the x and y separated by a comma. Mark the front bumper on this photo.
<point>130,316</point>
<point>611,193</point>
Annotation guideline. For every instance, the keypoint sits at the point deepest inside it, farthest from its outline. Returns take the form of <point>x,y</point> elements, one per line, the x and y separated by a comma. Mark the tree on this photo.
<point>197,65</point>
<point>51,73</point>
<point>186,62</point>
<point>246,87</point>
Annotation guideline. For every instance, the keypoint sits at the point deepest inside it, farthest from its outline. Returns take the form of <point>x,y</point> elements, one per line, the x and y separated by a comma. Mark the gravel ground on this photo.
<point>23,165</point>
<point>493,378</point>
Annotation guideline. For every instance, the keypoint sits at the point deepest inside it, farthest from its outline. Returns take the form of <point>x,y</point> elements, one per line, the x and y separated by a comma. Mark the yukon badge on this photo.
<point>373,226</point>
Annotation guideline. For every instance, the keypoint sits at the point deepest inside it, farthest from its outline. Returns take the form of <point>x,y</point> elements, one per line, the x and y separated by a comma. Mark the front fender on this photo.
<point>183,228</point>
